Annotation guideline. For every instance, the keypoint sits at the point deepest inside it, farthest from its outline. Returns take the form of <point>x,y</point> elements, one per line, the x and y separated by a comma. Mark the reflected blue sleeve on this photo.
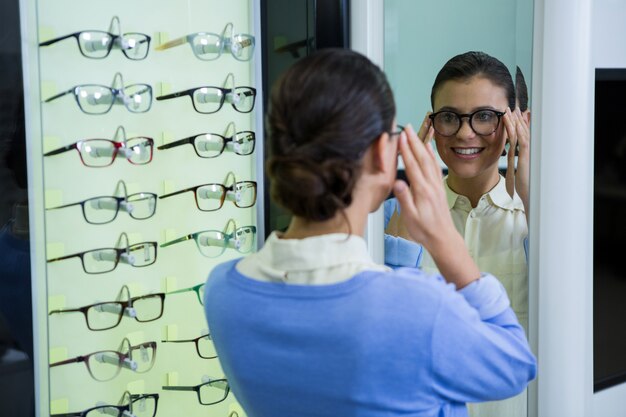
<point>399,252</point>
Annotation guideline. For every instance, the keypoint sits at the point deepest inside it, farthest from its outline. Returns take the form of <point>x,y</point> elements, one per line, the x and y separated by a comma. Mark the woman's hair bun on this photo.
<point>314,191</point>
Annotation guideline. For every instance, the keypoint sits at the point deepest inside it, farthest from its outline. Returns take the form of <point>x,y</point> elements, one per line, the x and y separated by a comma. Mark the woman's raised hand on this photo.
<point>518,131</point>
<point>424,209</point>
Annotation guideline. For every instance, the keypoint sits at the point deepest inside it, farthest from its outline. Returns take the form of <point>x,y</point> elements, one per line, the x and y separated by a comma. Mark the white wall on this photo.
<point>609,51</point>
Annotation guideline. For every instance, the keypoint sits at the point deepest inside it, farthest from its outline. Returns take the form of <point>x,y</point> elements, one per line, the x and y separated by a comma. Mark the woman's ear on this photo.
<point>385,153</point>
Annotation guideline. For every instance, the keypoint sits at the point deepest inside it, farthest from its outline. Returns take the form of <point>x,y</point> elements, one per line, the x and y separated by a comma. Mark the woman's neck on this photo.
<point>473,188</point>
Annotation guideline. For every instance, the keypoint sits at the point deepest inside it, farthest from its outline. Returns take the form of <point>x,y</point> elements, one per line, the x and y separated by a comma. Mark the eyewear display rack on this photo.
<point>128,102</point>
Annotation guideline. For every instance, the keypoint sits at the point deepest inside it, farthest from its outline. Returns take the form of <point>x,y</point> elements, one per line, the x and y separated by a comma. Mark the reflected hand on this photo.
<point>518,131</point>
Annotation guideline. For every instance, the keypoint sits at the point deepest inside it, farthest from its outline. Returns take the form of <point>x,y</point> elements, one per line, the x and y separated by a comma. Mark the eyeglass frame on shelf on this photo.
<point>132,398</point>
<point>223,91</point>
<point>195,288</point>
<point>195,235</point>
<point>127,308</point>
<point>116,40</point>
<point>119,201</point>
<point>225,42</point>
<point>117,94</point>
<point>224,189</point>
<point>196,342</point>
<point>196,388</point>
<point>226,141</point>
<point>121,253</point>
<point>117,145</point>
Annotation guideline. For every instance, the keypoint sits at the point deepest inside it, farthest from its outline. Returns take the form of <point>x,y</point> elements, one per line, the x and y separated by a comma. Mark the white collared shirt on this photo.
<point>494,232</point>
<point>317,260</point>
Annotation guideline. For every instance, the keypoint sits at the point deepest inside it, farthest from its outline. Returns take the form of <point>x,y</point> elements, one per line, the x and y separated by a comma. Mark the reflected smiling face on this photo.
<point>467,154</point>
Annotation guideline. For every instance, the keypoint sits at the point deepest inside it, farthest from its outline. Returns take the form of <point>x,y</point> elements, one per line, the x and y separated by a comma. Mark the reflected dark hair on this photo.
<point>472,64</point>
<point>324,113</point>
<point>521,90</point>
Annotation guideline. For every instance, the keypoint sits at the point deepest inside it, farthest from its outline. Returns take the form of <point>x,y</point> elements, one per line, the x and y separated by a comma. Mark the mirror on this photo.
<point>420,37</point>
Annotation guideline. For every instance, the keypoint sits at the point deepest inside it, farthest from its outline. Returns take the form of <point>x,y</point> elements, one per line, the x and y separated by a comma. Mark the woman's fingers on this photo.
<point>424,128</point>
<point>412,167</point>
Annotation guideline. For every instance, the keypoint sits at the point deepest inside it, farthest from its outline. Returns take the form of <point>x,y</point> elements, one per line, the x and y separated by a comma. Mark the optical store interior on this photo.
<point>133,160</point>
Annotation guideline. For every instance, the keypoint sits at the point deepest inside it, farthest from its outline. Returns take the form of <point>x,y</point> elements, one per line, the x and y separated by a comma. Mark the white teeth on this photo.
<point>467,151</point>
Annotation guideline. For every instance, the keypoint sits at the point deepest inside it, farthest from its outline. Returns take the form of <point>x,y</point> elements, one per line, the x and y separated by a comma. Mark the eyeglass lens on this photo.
<point>211,197</point>
<point>102,152</point>
<point>210,145</point>
<point>98,99</point>
<point>206,348</point>
<point>98,44</point>
<point>102,210</point>
<point>143,407</point>
<point>104,365</point>
<point>103,316</point>
<point>213,243</point>
<point>211,99</point>
<point>213,392</point>
<point>483,122</point>
<point>143,356</point>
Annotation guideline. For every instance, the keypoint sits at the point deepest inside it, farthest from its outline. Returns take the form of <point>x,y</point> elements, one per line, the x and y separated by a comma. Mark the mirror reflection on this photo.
<point>464,86</point>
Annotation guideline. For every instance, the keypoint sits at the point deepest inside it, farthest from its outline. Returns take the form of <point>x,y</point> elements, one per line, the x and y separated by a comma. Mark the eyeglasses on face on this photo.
<point>107,315</point>
<point>204,345</point>
<point>209,46</point>
<point>99,99</point>
<point>198,289</point>
<point>483,122</point>
<point>210,145</point>
<point>105,365</point>
<point>210,392</point>
<point>211,197</point>
<point>138,405</point>
<point>98,153</point>
<point>210,99</point>
<point>212,243</point>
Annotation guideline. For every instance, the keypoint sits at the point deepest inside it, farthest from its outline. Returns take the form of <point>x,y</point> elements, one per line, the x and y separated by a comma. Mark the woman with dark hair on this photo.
<point>474,116</point>
<point>310,325</point>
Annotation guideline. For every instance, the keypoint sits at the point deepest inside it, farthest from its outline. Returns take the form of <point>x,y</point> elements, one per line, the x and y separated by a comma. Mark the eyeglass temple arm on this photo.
<point>78,414</point>
<point>178,388</point>
<point>174,95</point>
<point>61,150</point>
<point>179,192</point>
<point>59,95</point>
<point>68,310</point>
<point>60,258</point>
<point>178,142</point>
<point>65,205</point>
<point>55,40</point>
<point>180,239</point>
<point>174,42</point>
<point>65,362</point>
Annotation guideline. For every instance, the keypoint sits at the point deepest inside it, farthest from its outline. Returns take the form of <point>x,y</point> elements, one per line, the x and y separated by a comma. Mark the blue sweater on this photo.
<point>379,344</point>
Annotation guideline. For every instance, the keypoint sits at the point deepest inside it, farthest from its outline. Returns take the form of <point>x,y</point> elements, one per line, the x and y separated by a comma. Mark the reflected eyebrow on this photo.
<point>475,109</point>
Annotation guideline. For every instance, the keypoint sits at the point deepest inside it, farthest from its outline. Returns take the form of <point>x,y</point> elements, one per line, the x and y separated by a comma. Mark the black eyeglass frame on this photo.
<point>469,117</point>
<point>225,140</point>
<point>190,92</point>
<point>121,408</point>
<point>114,38</point>
<point>123,304</point>
<point>196,388</point>
<point>196,341</point>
